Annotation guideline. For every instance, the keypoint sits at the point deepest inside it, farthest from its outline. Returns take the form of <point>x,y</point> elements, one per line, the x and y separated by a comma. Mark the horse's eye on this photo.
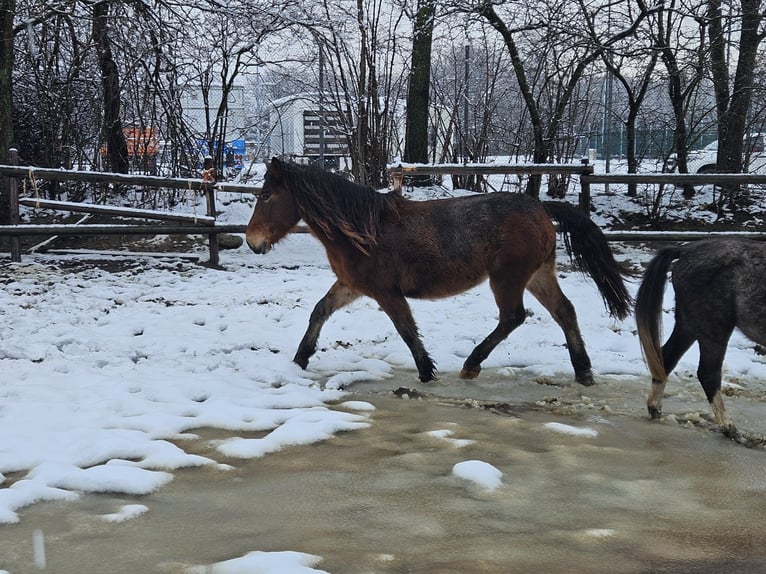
<point>264,196</point>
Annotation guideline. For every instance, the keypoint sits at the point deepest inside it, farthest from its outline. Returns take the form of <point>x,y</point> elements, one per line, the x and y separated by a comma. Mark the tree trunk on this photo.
<point>416,137</point>
<point>539,154</point>
<point>635,98</point>
<point>733,105</point>
<point>676,96</point>
<point>116,146</point>
<point>7,12</point>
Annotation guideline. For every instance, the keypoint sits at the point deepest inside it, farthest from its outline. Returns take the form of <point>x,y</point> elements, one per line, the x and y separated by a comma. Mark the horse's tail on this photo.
<point>587,246</point>
<point>649,310</point>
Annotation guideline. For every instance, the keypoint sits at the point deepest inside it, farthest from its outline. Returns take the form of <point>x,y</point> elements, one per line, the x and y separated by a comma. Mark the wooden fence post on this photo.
<point>584,198</point>
<point>397,177</point>
<point>208,179</point>
<point>13,199</point>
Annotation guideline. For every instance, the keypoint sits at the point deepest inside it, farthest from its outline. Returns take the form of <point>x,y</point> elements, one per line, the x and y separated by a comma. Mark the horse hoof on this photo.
<point>585,380</point>
<point>654,413</point>
<point>427,377</point>
<point>730,431</point>
<point>467,373</point>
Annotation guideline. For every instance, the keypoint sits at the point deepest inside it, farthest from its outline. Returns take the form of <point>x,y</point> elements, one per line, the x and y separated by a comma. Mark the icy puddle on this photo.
<point>437,486</point>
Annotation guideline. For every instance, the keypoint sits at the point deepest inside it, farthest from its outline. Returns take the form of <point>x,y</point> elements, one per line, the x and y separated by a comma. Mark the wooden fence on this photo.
<point>588,177</point>
<point>186,224</point>
<point>178,224</point>
<point>398,173</point>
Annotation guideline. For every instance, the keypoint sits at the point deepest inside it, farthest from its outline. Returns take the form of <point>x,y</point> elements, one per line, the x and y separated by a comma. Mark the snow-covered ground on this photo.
<point>101,370</point>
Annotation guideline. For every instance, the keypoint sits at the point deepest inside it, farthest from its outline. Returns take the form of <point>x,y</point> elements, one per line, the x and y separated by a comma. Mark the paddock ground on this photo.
<point>639,497</point>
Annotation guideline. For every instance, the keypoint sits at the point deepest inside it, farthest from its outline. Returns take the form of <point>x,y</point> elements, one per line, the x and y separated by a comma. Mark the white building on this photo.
<point>197,114</point>
<point>300,127</point>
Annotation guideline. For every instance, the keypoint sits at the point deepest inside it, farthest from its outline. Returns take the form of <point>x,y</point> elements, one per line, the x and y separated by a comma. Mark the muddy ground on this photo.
<point>670,496</point>
<point>639,497</point>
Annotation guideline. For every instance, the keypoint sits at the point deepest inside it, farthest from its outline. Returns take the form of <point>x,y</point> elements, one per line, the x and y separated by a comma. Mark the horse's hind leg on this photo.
<point>678,343</point>
<point>509,298</point>
<point>338,296</point>
<point>398,310</point>
<point>709,374</point>
<point>545,287</point>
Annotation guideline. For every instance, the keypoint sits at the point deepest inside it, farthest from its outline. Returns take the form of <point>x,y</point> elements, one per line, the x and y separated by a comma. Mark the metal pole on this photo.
<point>607,107</point>
<point>607,140</point>
<point>584,198</point>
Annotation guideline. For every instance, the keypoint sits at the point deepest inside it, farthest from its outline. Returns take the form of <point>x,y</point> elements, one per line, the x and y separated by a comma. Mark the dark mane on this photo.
<point>335,204</point>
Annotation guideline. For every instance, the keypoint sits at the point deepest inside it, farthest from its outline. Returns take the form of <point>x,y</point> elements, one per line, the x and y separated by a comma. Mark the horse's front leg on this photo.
<point>338,296</point>
<point>398,310</point>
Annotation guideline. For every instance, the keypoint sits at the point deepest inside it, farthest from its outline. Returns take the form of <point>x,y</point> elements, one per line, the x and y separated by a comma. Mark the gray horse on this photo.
<point>719,284</point>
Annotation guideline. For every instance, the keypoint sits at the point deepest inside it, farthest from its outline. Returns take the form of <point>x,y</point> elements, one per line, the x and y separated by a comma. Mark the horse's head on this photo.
<point>275,213</point>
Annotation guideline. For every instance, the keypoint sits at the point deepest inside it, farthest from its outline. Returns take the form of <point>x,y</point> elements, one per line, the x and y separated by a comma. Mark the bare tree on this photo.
<point>474,100</point>
<point>685,69</point>
<point>733,99</point>
<point>418,93</point>
<point>116,144</point>
<point>7,12</point>
<point>561,57</point>
<point>635,54</point>
<point>366,79</point>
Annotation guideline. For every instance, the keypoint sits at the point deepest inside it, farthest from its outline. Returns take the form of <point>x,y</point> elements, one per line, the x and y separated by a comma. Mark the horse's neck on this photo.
<point>325,232</point>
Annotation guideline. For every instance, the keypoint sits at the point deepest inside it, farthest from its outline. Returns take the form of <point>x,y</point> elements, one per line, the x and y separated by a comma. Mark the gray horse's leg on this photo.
<point>678,343</point>
<point>712,355</point>
<point>654,402</point>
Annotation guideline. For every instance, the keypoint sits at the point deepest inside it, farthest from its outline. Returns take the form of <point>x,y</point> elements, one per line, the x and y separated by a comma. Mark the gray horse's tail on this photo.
<point>587,246</point>
<point>649,310</point>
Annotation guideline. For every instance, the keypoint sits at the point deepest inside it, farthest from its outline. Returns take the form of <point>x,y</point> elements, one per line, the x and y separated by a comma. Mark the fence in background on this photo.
<point>398,173</point>
<point>587,178</point>
<point>176,223</point>
<point>186,224</point>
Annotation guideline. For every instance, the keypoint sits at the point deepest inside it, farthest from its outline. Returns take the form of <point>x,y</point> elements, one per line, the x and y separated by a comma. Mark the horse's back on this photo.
<point>487,217</point>
<point>443,247</point>
<point>485,222</point>
<point>720,284</point>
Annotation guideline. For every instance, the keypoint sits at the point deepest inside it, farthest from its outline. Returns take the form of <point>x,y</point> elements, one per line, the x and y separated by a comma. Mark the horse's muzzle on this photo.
<point>259,246</point>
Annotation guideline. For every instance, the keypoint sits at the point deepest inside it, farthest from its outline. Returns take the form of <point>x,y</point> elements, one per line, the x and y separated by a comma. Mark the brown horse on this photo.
<point>720,285</point>
<point>388,248</point>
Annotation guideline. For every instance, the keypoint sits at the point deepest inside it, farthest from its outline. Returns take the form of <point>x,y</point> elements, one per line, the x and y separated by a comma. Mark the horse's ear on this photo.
<point>274,167</point>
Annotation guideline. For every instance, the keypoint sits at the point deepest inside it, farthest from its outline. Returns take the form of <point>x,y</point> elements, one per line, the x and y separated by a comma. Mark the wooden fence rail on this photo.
<point>584,171</point>
<point>121,179</point>
<point>187,224</point>
<point>398,173</point>
<point>78,207</point>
